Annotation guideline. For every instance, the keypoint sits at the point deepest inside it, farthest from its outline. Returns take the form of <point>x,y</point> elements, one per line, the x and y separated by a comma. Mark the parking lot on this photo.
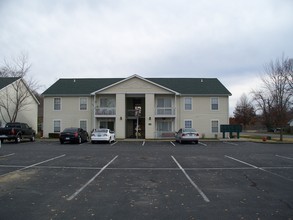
<point>146,180</point>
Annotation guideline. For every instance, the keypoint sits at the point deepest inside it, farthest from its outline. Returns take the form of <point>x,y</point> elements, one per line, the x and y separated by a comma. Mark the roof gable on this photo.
<point>135,84</point>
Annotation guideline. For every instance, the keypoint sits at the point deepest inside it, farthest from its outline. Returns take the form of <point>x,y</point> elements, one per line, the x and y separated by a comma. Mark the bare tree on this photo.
<point>275,96</point>
<point>15,98</point>
<point>244,112</point>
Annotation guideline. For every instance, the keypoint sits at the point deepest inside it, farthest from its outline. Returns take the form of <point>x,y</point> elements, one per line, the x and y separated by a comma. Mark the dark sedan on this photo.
<point>73,135</point>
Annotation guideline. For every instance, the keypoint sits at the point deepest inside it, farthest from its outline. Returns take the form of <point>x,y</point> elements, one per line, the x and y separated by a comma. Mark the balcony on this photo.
<point>165,112</point>
<point>105,112</point>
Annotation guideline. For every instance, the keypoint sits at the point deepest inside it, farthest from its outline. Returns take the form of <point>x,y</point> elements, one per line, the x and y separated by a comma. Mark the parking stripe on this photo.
<point>289,158</point>
<point>205,198</point>
<point>8,155</point>
<point>27,167</point>
<point>91,180</point>
<point>259,168</point>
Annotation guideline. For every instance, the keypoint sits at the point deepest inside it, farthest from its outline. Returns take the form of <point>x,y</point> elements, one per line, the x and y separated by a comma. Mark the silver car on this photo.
<point>102,135</point>
<point>187,135</point>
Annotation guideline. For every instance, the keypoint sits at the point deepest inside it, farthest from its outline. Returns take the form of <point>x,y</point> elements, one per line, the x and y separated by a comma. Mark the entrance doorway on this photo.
<point>135,120</point>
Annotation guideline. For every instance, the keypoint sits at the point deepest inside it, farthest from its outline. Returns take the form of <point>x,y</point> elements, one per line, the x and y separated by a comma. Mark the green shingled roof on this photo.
<point>184,86</point>
<point>5,81</point>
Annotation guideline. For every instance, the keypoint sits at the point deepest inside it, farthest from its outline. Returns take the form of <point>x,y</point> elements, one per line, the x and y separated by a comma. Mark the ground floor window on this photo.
<point>215,126</point>
<point>164,128</point>
<point>83,124</point>
<point>57,126</point>
<point>187,123</point>
<point>107,123</point>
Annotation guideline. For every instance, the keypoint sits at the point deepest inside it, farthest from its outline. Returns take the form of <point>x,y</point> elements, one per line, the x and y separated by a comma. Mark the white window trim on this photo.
<point>85,121</point>
<point>60,124</point>
<point>211,104</point>
<point>188,120</point>
<point>82,110</point>
<point>54,104</point>
<point>191,104</point>
<point>212,126</point>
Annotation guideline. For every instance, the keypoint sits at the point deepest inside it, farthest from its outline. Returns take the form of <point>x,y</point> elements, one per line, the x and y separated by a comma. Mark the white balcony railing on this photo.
<point>105,111</point>
<point>165,111</point>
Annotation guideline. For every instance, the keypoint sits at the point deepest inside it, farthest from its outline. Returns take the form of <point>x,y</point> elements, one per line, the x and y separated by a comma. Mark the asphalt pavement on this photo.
<point>146,180</point>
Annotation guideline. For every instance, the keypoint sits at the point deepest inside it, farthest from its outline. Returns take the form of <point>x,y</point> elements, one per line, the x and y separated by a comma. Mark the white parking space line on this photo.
<point>259,168</point>
<point>114,143</point>
<point>203,144</point>
<point>172,143</point>
<point>231,143</point>
<point>7,155</point>
<point>91,180</point>
<point>205,198</point>
<point>143,143</point>
<point>289,158</point>
<point>27,167</point>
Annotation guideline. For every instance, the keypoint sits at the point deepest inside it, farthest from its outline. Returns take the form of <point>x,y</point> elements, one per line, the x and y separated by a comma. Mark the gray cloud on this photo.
<point>230,40</point>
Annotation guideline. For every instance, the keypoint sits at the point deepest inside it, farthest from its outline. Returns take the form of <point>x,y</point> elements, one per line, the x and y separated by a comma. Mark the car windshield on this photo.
<point>189,130</point>
<point>70,130</point>
<point>102,131</point>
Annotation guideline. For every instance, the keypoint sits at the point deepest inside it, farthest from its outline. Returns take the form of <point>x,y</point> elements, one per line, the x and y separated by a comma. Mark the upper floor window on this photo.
<point>214,103</point>
<point>107,102</point>
<point>188,103</point>
<point>57,104</point>
<point>83,103</point>
<point>164,102</point>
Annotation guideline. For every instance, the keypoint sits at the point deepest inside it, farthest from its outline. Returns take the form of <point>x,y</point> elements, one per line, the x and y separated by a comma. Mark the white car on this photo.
<point>102,135</point>
<point>187,135</point>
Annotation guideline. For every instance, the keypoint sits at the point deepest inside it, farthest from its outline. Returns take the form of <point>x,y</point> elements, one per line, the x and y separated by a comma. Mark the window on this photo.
<point>164,106</point>
<point>57,104</point>
<point>188,103</point>
<point>187,124</point>
<point>215,126</point>
<point>164,102</point>
<point>107,102</point>
<point>164,125</point>
<point>57,126</point>
<point>214,103</point>
<point>83,103</point>
<point>83,124</point>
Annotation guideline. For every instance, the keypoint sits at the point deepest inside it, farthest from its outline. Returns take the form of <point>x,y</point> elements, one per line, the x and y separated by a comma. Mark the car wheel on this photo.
<point>17,139</point>
<point>196,142</point>
<point>33,138</point>
<point>110,140</point>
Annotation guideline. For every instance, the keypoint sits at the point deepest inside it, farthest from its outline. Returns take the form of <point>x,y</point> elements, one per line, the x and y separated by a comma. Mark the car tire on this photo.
<point>17,139</point>
<point>32,139</point>
<point>196,142</point>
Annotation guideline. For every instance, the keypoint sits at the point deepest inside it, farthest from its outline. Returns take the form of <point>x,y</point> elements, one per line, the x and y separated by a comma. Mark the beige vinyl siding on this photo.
<point>70,113</point>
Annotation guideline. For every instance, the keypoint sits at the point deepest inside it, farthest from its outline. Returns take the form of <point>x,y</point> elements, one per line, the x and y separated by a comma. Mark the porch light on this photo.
<point>120,117</point>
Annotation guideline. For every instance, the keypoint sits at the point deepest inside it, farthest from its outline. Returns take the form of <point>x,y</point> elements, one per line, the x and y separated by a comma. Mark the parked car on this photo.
<point>102,135</point>
<point>187,135</point>
<point>73,135</point>
<point>17,131</point>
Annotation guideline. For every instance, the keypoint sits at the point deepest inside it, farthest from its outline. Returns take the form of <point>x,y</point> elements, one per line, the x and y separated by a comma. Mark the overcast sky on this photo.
<point>226,39</point>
